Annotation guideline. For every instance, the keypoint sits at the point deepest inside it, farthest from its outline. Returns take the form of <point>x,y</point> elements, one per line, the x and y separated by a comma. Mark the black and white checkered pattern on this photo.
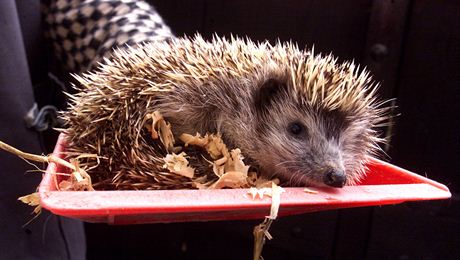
<point>85,31</point>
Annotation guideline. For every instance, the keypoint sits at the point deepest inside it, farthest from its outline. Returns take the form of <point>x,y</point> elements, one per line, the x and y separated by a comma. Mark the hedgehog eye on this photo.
<point>296,128</point>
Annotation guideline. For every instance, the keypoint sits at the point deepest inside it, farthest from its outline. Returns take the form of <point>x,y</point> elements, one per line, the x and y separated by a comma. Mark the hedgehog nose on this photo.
<point>335,178</point>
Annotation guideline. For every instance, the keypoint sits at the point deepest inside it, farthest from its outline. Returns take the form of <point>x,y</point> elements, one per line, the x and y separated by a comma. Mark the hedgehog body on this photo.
<point>298,116</point>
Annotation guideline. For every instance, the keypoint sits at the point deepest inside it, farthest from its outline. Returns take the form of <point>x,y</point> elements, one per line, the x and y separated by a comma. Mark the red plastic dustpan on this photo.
<point>384,184</point>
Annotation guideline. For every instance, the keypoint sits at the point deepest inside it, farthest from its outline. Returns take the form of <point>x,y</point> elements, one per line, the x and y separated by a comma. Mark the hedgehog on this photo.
<point>302,117</point>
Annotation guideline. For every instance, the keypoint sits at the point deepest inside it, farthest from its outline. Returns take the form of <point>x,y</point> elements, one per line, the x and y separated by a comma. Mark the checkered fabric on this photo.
<point>85,31</point>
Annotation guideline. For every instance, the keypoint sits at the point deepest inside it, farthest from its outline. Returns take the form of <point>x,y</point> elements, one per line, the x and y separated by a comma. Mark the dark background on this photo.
<point>412,47</point>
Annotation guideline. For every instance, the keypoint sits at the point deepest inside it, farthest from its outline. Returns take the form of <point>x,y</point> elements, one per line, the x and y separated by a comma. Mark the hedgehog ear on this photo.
<point>268,92</point>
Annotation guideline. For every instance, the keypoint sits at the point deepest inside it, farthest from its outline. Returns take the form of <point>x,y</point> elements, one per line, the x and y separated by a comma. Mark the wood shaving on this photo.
<point>200,186</point>
<point>196,139</point>
<point>216,147</point>
<point>33,200</point>
<point>261,231</point>
<point>307,190</point>
<point>260,181</point>
<point>79,180</point>
<point>162,129</point>
<point>231,179</point>
<point>276,200</point>
<point>72,184</point>
<point>178,163</point>
<point>218,166</point>
<point>79,176</point>
<point>213,144</point>
<point>228,166</point>
<point>259,192</point>
<point>235,162</point>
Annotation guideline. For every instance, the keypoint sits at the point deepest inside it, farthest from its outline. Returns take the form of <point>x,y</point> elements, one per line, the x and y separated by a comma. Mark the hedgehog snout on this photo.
<point>334,177</point>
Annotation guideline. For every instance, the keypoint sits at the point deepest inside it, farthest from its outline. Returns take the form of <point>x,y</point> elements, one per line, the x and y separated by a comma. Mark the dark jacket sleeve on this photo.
<point>48,236</point>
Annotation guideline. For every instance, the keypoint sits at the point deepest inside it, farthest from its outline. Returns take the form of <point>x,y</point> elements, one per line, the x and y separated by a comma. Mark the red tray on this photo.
<point>384,184</point>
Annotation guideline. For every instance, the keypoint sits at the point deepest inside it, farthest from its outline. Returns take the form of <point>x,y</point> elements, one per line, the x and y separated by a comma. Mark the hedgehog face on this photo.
<point>302,145</point>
